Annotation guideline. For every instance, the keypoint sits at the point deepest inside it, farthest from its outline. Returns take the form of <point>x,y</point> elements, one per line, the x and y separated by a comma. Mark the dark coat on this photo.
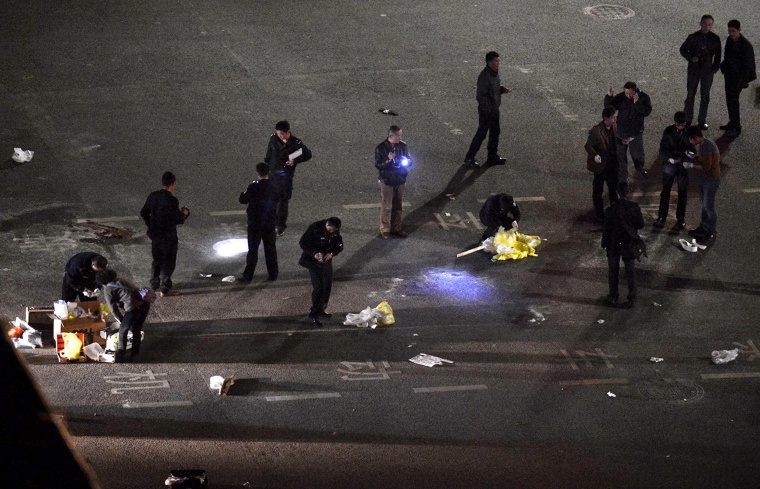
<point>391,172</point>
<point>317,240</point>
<point>705,47</point>
<point>739,61</point>
<point>79,274</point>
<point>491,214</point>
<point>162,214</point>
<point>674,144</point>
<point>488,91</point>
<point>598,144</point>
<point>261,199</point>
<point>278,153</point>
<point>630,121</point>
<point>621,221</point>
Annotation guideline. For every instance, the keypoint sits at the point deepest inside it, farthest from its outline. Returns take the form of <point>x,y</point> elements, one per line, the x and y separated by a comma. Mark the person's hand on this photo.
<point>185,211</point>
<point>391,156</point>
<point>87,293</point>
<point>687,164</point>
<point>328,257</point>
<point>505,90</point>
<point>695,59</point>
<point>290,163</point>
<point>610,92</point>
<point>318,256</point>
<point>598,159</point>
<point>635,97</point>
<point>514,224</point>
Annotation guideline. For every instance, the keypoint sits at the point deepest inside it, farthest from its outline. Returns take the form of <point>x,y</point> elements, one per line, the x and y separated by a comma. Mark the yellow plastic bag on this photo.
<point>516,246</point>
<point>385,314</point>
<point>72,346</point>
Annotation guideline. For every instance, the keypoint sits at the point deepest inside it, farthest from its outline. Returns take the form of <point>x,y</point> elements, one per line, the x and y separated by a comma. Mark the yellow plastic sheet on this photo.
<point>516,246</point>
<point>72,346</point>
<point>386,314</point>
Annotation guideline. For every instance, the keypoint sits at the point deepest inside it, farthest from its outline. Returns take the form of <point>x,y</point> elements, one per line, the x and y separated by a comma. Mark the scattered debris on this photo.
<point>221,385</point>
<point>229,279</point>
<point>610,394</point>
<point>691,246</point>
<point>720,357</point>
<point>600,321</point>
<point>388,112</point>
<point>656,359</point>
<point>656,304</point>
<point>99,233</point>
<point>205,275</point>
<point>537,316</point>
<point>21,156</point>
<point>24,336</point>
<point>187,479</point>
<point>428,360</point>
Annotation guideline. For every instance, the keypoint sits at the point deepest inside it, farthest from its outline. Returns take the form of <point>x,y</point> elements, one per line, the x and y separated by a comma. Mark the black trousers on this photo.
<point>488,123</point>
<point>673,173</point>
<point>613,262</point>
<point>733,91</point>
<point>164,249</point>
<point>609,176</point>
<point>695,78</point>
<point>284,187</point>
<point>255,236</point>
<point>133,321</point>
<point>321,286</point>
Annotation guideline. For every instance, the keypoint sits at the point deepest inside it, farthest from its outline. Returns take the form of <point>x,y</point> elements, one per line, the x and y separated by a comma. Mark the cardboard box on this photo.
<point>90,326</point>
<point>59,345</point>
<point>39,316</point>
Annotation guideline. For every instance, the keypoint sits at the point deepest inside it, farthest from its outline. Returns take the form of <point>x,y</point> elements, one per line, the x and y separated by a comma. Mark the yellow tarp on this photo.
<point>512,245</point>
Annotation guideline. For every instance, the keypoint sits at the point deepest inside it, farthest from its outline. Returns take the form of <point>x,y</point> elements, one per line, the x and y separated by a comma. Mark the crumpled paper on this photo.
<point>21,156</point>
<point>428,360</point>
<point>724,356</point>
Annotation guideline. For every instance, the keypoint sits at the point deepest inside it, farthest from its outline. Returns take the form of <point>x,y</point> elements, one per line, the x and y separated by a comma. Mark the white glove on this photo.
<point>514,224</point>
<point>598,159</point>
<point>671,161</point>
<point>690,154</point>
<point>87,293</point>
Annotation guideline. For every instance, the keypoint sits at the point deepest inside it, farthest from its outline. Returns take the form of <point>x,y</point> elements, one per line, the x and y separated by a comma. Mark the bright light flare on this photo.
<point>458,284</point>
<point>231,247</point>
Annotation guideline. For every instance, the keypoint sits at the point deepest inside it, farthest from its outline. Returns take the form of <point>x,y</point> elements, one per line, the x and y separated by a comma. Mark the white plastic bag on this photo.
<point>724,356</point>
<point>365,319</point>
<point>21,156</point>
<point>31,338</point>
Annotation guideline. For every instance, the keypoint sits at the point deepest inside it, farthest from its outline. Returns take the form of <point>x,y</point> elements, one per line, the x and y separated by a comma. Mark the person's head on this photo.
<point>493,60</point>
<point>630,89</point>
<point>168,180</point>
<point>622,190</point>
<point>262,169</point>
<point>505,203</point>
<point>694,134</point>
<point>394,134</point>
<point>734,29</point>
<point>333,225</point>
<point>609,114</point>
<point>99,263</point>
<point>706,23</point>
<point>679,118</point>
<point>104,277</point>
<point>282,129</point>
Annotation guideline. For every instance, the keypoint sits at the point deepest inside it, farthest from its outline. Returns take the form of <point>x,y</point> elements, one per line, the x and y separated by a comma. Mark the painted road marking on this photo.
<point>130,405</point>
<point>449,388</point>
<point>299,397</point>
<point>751,190</point>
<point>109,219</point>
<point>371,206</point>
<point>739,375</point>
<point>593,382</point>
<point>227,213</point>
<point>523,199</point>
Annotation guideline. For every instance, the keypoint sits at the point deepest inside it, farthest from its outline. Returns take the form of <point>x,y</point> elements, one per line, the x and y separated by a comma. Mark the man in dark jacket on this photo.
<point>128,307</point>
<point>79,277</point>
<point>284,152</point>
<point>320,243</point>
<point>162,214</point>
<point>621,221</point>
<point>261,200</point>
<point>489,92</point>
<point>633,106</point>
<point>601,147</point>
<point>738,68</point>
<point>499,210</point>
<point>673,147</point>
<point>702,50</point>
<point>392,161</point>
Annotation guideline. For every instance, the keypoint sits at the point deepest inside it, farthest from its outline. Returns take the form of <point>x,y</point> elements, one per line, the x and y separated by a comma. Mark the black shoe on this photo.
<point>643,171</point>
<point>630,304</point>
<point>471,163</point>
<point>271,278</point>
<point>660,222</point>
<point>280,232</point>
<point>315,322</point>
<point>705,239</point>
<point>726,127</point>
<point>680,225</point>
<point>703,126</point>
<point>696,233</point>
<point>245,279</point>
<point>400,233</point>
<point>324,314</point>
<point>496,160</point>
<point>611,301</point>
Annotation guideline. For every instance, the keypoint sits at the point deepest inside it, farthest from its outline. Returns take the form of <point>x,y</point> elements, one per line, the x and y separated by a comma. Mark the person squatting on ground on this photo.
<point>702,51</point>
<point>284,152</point>
<point>633,106</point>
<point>128,307</point>
<point>261,199</point>
<point>498,210</point>
<point>707,162</point>
<point>602,160</point>
<point>79,277</point>
<point>673,147</point>
<point>488,94</point>
<point>320,243</point>
<point>392,161</point>
<point>162,214</point>
<point>621,221</point>
<point>738,68</point>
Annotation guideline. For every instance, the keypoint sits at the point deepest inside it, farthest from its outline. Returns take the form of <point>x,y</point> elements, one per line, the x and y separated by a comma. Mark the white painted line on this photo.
<point>651,194</point>
<point>299,397</point>
<point>227,213</point>
<point>744,375</point>
<point>449,388</point>
<point>593,382</point>
<point>539,198</point>
<point>129,405</point>
<point>751,190</point>
<point>109,219</point>
<point>371,206</point>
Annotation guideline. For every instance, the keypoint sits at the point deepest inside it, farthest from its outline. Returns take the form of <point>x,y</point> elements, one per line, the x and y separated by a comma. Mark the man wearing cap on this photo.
<point>320,243</point>
<point>261,199</point>
<point>738,68</point>
<point>673,147</point>
<point>79,276</point>
<point>602,160</point>
<point>702,51</point>
<point>499,210</point>
<point>392,161</point>
<point>707,162</point>
<point>633,106</point>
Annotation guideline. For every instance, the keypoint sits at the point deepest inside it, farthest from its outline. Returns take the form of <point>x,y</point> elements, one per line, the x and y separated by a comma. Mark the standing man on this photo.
<point>621,221</point>
<point>489,92</point>
<point>738,68</point>
<point>707,161</point>
<point>261,200</point>
<point>633,106</point>
<point>129,308</point>
<point>498,210</point>
<point>79,277</point>
<point>284,152</point>
<point>602,160</point>
<point>702,50</point>
<point>320,243</point>
<point>392,160</point>
<point>673,147</point>
<point>162,214</point>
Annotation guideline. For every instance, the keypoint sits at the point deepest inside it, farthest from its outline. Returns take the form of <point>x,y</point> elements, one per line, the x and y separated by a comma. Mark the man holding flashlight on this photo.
<point>392,161</point>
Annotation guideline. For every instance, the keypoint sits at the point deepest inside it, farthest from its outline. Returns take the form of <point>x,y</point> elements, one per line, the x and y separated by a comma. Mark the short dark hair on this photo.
<point>490,55</point>
<point>622,189</point>
<point>104,277</point>
<point>393,130</point>
<point>334,222</point>
<point>168,178</point>
<point>630,85</point>
<point>99,263</point>
<point>733,23</point>
<point>608,111</point>
<point>262,169</point>
<point>679,117</point>
<point>283,126</point>
<point>506,202</point>
<point>694,132</point>
<point>705,17</point>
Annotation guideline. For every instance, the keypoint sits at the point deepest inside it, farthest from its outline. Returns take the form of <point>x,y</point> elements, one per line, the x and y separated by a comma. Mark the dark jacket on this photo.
<point>705,47</point>
<point>391,171</point>
<point>621,221</point>
<point>162,214</point>
<point>121,296</point>
<point>491,214</point>
<point>630,121</point>
<point>317,240</point>
<point>488,91</point>
<point>261,199</point>
<point>739,61</point>
<point>674,144</point>
<point>278,153</point>
<point>598,143</point>
<point>79,274</point>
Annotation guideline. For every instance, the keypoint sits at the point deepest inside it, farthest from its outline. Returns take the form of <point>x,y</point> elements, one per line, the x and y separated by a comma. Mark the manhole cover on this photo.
<point>609,12</point>
<point>671,390</point>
